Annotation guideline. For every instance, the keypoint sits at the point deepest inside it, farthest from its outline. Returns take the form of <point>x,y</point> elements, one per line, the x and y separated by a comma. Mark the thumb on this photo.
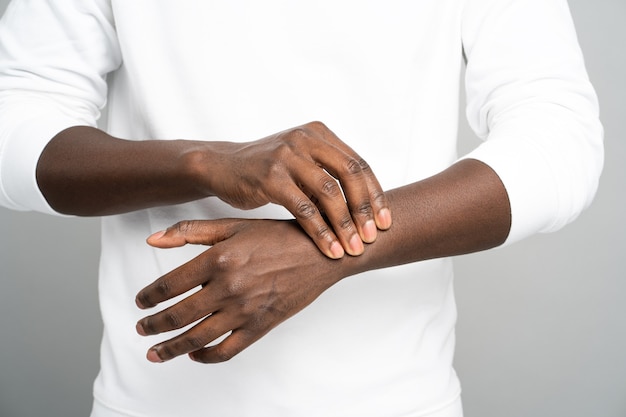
<point>197,232</point>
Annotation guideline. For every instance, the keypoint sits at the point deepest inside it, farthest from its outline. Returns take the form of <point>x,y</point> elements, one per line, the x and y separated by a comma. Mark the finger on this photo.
<point>310,219</point>
<point>377,198</point>
<point>182,279</point>
<point>196,338</point>
<point>228,348</point>
<point>327,194</point>
<point>352,184</point>
<point>204,232</point>
<point>181,314</point>
<point>318,157</point>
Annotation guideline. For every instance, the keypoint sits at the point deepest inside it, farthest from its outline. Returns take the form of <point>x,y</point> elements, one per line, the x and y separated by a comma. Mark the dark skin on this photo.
<point>86,172</point>
<point>247,289</point>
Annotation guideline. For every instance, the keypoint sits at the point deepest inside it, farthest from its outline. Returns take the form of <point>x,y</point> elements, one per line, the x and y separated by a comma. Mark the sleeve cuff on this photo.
<point>530,189</point>
<point>20,149</point>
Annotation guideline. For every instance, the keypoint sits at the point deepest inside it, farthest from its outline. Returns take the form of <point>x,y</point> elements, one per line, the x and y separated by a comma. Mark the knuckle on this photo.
<point>365,167</point>
<point>295,135</point>
<point>353,166</point>
<point>173,320</point>
<point>305,209</point>
<point>222,262</point>
<point>184,227</point>
<point>330,187</point>
<point>193,343</point>
<point>322,232</point>
<point>345,223</point>
<point>232,289</point>
<point>275,168</point>
<point>301,132</point>
<point>378,197</point>
<point>317,126</point>
<point>163,288</point>
<point>364,208</point>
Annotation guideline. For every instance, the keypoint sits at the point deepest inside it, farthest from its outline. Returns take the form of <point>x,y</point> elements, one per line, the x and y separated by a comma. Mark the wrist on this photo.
<point>201,165</point>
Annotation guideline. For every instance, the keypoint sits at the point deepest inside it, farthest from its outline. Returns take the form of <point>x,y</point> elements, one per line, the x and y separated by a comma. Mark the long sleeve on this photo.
<point>529,98</point>
<point>54,57</point>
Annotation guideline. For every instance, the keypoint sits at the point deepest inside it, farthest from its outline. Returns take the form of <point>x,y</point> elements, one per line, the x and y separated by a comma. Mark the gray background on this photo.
<point>542,324</point>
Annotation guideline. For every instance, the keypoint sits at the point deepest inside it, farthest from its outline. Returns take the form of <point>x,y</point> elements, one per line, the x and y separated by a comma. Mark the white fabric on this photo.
<point>452,410</point>
<point>384,76</point>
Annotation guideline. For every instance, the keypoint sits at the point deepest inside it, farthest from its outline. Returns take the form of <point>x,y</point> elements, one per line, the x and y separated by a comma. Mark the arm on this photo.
<point>463,209</point>
<point>528,96</point>
<point>530,99</point>
<point>53,68</point>
<point>85,171</point>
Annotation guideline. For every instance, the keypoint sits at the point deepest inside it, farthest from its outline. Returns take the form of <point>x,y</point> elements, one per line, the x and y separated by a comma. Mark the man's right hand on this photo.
<point>310,172</point>
<point>327,186</point>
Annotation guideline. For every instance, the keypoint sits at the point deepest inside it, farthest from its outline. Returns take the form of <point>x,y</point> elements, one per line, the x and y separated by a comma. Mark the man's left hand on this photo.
<point>257,274</point>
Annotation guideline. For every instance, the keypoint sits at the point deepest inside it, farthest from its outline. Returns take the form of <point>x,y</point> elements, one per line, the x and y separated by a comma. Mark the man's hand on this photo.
<point>329,189</point>
<point>257,274</point>
<point>311,173</point>
<point>260,272</point>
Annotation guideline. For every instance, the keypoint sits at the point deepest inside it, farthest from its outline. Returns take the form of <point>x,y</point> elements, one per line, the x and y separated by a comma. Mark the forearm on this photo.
<point>85,171</point>
<point>461,210</point>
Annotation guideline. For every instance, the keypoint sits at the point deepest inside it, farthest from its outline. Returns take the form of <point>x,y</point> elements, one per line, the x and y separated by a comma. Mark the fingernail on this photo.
<point>140,304</point>
<point>140,330</point>
<point>336,250</point>
<point>369,231</point>
<point>157,235</point>
<point>153,356</point>
<point>356,245</point>
<point>383,219</point>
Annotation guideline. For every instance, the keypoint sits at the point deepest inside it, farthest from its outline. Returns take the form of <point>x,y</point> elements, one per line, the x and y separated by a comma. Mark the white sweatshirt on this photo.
<point>384,76</point>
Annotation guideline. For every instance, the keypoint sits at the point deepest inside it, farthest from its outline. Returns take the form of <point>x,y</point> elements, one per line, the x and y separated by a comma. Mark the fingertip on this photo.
<point>383,219</point>
<point>356,247</point>
<point>153,356</point>
<point>138,303</point>
<point>153,238</point>
<point>369,231</point>
<point>141,302</point>
<point>336,250</point>
<point>140,330</point>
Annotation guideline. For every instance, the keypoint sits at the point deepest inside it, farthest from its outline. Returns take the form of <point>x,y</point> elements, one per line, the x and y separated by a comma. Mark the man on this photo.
<point>261,294</point>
